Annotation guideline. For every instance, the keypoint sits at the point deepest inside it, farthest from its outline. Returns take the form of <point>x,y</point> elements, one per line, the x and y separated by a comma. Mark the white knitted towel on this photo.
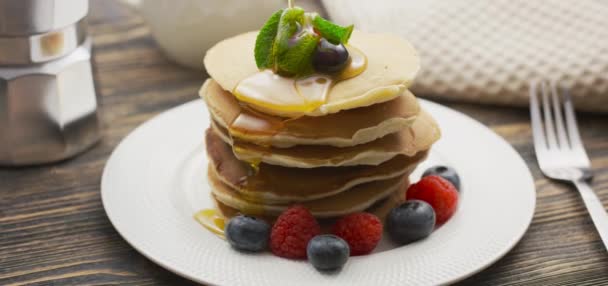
<point>488,51</point>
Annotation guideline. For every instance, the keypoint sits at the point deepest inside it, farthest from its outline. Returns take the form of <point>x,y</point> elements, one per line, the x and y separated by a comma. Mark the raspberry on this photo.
<point>292,231</point>
<point>437,192</point>
<point>362,232</point>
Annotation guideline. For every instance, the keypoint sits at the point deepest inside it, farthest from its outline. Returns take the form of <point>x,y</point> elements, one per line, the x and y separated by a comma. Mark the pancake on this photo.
<point>418,137</point>
<point>392,64</point>
<point>380,209</point>
<point>342,129</point>
<point>279,185</point>
<point>356,199</point>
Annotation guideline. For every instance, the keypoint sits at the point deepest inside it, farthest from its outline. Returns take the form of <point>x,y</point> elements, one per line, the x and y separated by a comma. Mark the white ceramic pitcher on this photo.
<point>185,29</point>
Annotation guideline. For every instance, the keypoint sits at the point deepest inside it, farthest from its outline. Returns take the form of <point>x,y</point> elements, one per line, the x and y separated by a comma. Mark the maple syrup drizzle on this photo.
<point>267,90</point>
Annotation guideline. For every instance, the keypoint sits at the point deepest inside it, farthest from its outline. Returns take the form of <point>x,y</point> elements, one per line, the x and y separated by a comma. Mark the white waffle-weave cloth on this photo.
<point>489,51</point>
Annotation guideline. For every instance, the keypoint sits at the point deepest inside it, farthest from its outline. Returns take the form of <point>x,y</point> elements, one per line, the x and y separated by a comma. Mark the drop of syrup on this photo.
<point>212,220</point>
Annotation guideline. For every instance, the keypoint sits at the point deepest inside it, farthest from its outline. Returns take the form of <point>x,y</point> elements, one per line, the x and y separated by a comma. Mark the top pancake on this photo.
<point>347,128</point>
<point>392,64</point>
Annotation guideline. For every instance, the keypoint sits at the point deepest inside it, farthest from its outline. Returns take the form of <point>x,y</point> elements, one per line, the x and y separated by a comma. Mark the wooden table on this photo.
<point>54,231</point>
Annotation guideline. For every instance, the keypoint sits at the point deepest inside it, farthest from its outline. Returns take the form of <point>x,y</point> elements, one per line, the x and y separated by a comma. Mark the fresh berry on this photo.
<point>327,252</point>
<point>247,233</point>
<point>411,221</point>
<point>439,193</point>
<point>292,231</point>
<point>329,58</point>
<point>362,232</point>
<point>445,172</point>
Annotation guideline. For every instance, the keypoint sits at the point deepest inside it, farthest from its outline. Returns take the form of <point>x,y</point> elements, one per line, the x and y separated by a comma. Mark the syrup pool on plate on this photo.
<point>212,220</point>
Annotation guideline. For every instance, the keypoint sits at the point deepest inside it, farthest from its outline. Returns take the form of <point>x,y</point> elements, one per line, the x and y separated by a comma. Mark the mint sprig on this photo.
<point>287,41</point>
<point>335,34</point>
<point>288,26</point>
<point>264,44</point>
<point>297,59</point>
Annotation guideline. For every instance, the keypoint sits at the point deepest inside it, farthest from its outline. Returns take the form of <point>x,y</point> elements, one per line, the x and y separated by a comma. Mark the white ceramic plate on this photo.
<point>156,180</point>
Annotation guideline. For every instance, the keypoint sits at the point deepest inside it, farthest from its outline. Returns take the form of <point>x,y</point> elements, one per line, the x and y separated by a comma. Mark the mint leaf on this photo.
<point>297,59</point>
<point>287,41</point>
<point>335,34</point>
<point>288,26</point>
<point>264,43</point>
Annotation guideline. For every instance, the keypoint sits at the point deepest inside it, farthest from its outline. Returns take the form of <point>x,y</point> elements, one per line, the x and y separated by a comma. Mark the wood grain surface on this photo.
<point>54,231</point>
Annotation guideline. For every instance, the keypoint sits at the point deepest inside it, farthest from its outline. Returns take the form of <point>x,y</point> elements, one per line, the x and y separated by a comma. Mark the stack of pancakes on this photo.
<point>352,153</point>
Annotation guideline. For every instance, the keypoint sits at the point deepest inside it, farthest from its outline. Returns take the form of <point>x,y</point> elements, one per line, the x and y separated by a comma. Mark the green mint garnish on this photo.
<point>291,19</point>
<point>264,56</point>
<point>297,59</point>
<point>287,41</point>
<point>335,34</point>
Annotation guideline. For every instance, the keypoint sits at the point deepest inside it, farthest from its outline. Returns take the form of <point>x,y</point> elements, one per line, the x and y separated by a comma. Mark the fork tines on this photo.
<point>556,133</point>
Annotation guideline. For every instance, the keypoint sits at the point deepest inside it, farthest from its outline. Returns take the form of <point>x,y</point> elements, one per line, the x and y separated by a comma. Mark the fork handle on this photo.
<point>595,209</point>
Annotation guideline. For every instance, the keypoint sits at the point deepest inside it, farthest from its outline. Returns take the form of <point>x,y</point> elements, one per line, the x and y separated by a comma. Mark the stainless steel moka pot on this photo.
<point>48,103</point>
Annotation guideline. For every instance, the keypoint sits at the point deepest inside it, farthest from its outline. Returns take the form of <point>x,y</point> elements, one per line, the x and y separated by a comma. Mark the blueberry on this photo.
<point>327,252</point>
<point>329,58</point>
<point>411,221</point>
<point>447,173</point>
<point>247,233</point>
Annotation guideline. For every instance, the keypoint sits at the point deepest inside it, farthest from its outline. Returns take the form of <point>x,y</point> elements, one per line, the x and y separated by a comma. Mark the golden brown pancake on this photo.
<point>342,129</point>
<point>380,208</point>
<point>355,199</point>
<point>280,185</point>
<point>418,137</point>
<point>392,65</point>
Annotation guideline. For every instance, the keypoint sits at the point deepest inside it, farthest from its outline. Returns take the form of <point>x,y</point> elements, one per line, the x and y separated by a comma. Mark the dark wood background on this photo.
<point>54,231</point>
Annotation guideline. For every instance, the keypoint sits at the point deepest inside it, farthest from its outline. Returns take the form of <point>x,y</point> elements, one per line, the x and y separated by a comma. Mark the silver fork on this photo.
<point>559,150</point>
